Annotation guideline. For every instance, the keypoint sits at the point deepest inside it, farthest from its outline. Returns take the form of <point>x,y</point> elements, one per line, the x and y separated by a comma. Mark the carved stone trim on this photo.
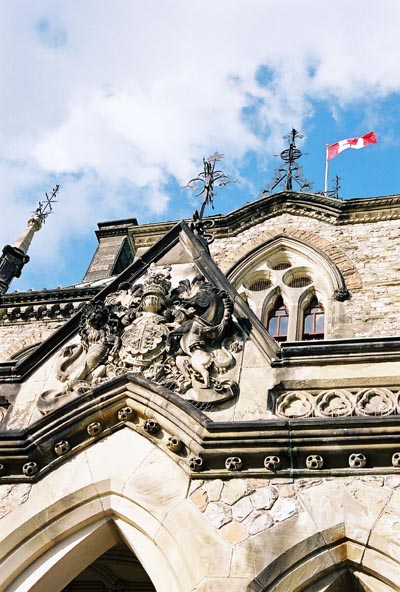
<point>357,460</point>
<point>174,444</point>
<point>30,468</point>
<point>272,463</point>
<point>372,402</point>
<point>94,428</point>
<point>264,448</point>
<point>62,447</point>
<point>332,210</point>
<point>43,305</point>
<point>314,461</point>
<point>233,463</point>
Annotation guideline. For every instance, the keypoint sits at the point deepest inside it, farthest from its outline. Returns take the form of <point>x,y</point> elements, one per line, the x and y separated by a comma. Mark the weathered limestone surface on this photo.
<point>140,491</point>
<point>366,254</point>
<point>12,496</point>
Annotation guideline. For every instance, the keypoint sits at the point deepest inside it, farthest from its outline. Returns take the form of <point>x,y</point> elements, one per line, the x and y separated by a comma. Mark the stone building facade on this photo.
<point>203,418</point>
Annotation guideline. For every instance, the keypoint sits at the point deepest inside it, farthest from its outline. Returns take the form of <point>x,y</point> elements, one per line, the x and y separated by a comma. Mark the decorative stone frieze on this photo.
<point>203,441</point>
<point>30,468</point>
<point>372,402</point>
<point>396,459</point>
<point>152,427</point>
<point>272,463</point>
<point>183,338</point>
<point>196,464</point>
<point>39,312</point>
<point>174,444</point>
<point>233,463</point>
<point>314,461</point>
<point>44,305</point>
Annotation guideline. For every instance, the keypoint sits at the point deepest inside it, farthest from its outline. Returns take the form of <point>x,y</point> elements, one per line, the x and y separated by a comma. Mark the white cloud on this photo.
<point>116,98</point>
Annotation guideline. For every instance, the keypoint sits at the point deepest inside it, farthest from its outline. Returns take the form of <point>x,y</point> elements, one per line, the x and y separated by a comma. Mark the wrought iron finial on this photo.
<point>45,208</point>
<point>335,191</point>
<point>290,171</point>
<point>13,258</point>
<point>336,188</point>
<point>204,185</point>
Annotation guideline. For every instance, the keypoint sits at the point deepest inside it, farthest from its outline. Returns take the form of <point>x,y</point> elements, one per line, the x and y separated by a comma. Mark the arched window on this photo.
<point>314,321</point>
<point>288,267</point>
<point>278,321</point>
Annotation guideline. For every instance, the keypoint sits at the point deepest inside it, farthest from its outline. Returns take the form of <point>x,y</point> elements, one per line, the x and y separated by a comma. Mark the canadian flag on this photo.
<point>333,150</point>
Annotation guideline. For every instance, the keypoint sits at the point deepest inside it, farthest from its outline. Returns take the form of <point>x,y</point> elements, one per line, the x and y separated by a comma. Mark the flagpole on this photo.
<point>326,171</point>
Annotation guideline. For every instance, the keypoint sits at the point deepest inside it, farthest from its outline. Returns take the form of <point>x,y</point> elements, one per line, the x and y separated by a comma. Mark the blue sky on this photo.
<point>118,103</point>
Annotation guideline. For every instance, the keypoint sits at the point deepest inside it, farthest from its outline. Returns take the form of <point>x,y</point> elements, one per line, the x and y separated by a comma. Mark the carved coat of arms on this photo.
<point>182,338</point>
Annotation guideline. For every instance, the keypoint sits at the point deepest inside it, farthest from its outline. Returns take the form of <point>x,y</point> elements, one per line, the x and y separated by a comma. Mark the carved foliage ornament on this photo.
<point>183,338</point>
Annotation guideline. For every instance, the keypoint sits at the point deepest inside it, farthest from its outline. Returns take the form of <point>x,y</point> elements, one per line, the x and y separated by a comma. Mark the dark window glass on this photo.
<point>314,321</point>
<point>278,321</point>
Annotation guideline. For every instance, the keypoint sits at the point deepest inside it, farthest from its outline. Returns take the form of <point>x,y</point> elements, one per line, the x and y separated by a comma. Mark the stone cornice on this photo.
<point>198,444</point>
<point>116,227</point>
<point>52,305</point>
<point>48,296</point>
<point>328,209</point>
<point>338,351</point>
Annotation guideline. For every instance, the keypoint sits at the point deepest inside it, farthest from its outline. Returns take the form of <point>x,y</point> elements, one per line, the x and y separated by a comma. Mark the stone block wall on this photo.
<point>17,337</point>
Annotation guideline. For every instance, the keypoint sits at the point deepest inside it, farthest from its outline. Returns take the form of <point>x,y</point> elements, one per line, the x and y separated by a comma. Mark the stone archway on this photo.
<point>343,565</point>
<point>123,488</point>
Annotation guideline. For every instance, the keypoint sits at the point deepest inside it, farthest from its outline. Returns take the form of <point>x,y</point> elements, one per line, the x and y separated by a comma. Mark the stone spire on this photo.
<point>24,241</point>
<point>14,257</point>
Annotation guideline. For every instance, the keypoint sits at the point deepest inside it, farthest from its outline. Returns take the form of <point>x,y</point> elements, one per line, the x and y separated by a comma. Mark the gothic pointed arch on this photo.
<point>313,321</point>
<point>317,565</point>
<point>298,270</point>
<point>103,497</point>
<point>281,251</point>
<point>316,242</point>
<point>312,315</point>
<point>276,318</point>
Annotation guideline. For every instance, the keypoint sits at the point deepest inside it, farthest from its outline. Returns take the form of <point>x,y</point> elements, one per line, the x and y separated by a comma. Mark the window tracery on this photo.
<point>292,289</point>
